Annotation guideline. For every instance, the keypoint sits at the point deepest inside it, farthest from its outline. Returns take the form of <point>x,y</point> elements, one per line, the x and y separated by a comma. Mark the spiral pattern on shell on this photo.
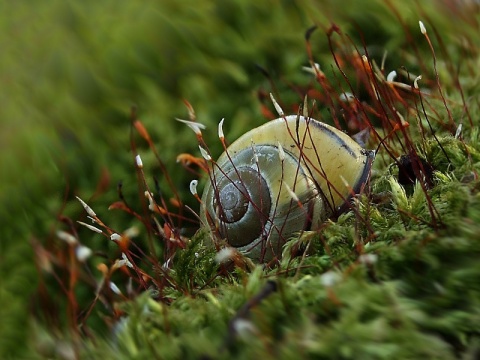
<point>279,179</point>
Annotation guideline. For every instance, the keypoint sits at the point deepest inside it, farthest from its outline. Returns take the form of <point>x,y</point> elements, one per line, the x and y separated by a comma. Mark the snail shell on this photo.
<point>286,176</point>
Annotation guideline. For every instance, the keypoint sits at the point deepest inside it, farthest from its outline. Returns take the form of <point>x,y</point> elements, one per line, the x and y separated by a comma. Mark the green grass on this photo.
<point>404,281</point>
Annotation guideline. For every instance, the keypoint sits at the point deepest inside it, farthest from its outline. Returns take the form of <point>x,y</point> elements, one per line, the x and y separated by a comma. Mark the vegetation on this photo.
<point>90,85</point>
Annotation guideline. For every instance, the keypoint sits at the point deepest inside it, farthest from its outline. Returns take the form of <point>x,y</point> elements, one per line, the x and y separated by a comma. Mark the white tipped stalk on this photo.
<point>127,262</point>
<point>193,187</point>
<point>115,237</point>
<point>346,97</point>
<point>244,328</point>
<point>83,253</point>
<point>291,193</point>
<point>195,126</point>
<point>402,119</point>
<point>384,58</point>
<point>115,288</point>
<point>281,153</point>
<point>138,162</point>
<point>131,232</point>
<point>368,259</point>
<point>204,153</point>
<point>220,130</point>
<point>415,82</point>
<point>422,28</point>
<point>129,286</point>
<point>122,262</point>
<point>305,107</point>
<point>87,208</point>
<point>90,227</point>
<point>224,255</point>
<point>329,278</point>
<point>68,238</point>
<point>151,204</point>
<point>459,131</point>
<point>391,76</point>
<point>313,69</point>
<point>166,264</point>
<point>277,107</point>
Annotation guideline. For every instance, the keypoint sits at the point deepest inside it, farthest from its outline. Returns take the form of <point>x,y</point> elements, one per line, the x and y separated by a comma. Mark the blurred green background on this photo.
<point>70,72</point>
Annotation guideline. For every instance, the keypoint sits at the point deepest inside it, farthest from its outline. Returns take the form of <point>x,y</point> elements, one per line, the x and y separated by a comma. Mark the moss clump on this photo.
<point>396,277</point>
<point>410,291</point>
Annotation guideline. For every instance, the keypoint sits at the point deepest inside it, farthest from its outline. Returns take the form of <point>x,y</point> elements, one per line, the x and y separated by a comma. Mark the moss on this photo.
<point>396,277</point>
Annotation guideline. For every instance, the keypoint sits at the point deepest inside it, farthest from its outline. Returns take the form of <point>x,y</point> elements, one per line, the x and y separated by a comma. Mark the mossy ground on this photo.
<point>395,277</point>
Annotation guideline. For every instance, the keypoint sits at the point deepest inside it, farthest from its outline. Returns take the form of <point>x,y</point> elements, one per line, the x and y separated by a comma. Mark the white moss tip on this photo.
<point>422,28</point>
<point>67,237</point>
<point>278,108</point>
<point>115,288</point>
<point>459,131</point>
<point>329,278</point>
<point>149,197</point>
<point>391,76</point>
<point>220,129</point>
<point>224,255</point>
<point>193,187</point>
<point>115,237</point>
<point>204,153</point>
<point>87,208</point>
<point>415,82</point>
<point>368,259</point>
<point>195,126</point>
<point>138,162</point>
<point>347,97</point>
<point>90,227</point>
<point>83,253</point>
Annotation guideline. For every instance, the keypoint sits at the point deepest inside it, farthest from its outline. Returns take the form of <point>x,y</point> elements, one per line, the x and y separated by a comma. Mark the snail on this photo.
<point>284,177</point>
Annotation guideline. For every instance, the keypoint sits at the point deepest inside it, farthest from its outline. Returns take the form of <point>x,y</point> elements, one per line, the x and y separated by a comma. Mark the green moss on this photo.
<point>395,278</point>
